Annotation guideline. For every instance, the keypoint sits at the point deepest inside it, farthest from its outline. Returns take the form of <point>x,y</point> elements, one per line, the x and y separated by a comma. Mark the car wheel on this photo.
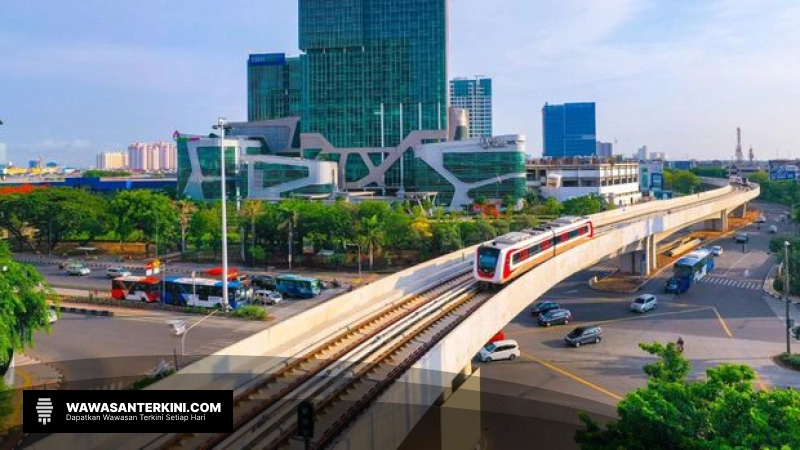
<point>577,344</point>
<point>488,359</point>
<point>566,322</point>
<point>512,357</point>
<point>597,340</point>
<point>547,324</point>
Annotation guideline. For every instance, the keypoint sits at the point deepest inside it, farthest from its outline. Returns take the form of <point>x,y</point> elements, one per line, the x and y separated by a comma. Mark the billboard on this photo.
<point>783,172</point>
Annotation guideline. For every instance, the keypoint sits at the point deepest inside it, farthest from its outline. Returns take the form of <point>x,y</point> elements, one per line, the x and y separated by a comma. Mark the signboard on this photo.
<point>783,172</point>
<point>657,181</point>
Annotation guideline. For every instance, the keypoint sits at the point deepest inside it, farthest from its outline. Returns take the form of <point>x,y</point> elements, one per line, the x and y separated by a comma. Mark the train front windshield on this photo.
<point>487,259</point>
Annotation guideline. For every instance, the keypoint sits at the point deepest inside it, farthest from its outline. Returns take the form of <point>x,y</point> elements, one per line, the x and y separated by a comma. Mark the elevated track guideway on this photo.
<point>344,374</point>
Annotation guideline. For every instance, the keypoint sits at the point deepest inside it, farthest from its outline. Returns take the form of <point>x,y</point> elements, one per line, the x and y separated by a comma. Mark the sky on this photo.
<point>79,78</point>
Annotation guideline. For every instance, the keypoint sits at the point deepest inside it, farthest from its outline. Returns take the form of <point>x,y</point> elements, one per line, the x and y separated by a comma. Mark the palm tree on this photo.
<point>372,236</point>
<point>290,218</point>
<point>250,211</point>
<point>185,209</point>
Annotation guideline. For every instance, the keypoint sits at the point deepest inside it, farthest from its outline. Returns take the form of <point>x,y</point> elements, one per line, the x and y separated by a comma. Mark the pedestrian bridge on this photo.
<point>634,230</point>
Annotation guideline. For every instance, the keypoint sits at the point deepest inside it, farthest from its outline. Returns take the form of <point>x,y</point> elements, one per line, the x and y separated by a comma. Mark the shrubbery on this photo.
<point>250,312</point>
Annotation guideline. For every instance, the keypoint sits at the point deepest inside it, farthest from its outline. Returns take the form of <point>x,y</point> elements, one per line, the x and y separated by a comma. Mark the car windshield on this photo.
<point>576,332</point>
<point>489,347</point>
<point>639,300</point>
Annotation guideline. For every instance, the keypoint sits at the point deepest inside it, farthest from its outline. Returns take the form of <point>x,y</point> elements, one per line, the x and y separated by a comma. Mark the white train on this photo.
<point>508,256</point>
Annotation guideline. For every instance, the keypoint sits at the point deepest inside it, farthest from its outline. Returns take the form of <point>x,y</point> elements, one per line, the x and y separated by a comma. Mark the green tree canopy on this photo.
<point>723,411</point>
<point>583,205</point>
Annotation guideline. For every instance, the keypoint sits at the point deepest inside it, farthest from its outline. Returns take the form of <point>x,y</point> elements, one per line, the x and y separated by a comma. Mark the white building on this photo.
<point>157,157</point>
<point>3,155</point>
<point>617,182</point>
<point>111,161</point>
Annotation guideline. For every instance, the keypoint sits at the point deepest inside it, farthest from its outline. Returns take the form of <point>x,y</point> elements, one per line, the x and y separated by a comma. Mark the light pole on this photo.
<point>786,297</point>
<point>186,331</point>
<point>221,124</point>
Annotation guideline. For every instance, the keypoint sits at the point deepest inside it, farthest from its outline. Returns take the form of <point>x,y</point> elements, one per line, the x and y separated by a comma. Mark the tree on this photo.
<point>685,182</point>
<point>248,214</point>
<point>371,235</point>
<point>551,207</point>
<point>150,213</point>
<point>23,310</point>
<point>185,209</point>
<point>721,412</point>
<point>290,217</point>
<point>583,205</point>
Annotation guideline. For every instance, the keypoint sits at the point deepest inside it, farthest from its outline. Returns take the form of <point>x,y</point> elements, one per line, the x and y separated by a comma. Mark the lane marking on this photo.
<point>734,264</point>
<point>722,322</point>
<point>571,375</point>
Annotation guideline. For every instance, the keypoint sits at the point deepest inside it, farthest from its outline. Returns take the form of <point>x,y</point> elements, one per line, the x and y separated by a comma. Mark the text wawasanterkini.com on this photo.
<point>140,411</point>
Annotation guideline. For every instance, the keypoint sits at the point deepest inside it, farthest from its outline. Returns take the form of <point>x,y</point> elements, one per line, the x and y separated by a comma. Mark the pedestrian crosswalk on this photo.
<point>742,284</point>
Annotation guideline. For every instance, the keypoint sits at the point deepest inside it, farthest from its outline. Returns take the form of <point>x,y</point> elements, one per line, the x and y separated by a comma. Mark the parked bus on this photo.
<point>145,289</point>
<point>204,292</point>
<point>297,286</point>
<point>691,268</point>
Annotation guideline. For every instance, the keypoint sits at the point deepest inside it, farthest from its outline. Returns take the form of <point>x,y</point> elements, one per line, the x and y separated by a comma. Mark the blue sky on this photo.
<point>679,76</point>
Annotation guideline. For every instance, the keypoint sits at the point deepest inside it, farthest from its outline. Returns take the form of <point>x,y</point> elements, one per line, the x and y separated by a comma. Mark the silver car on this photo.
<point>644,303</point>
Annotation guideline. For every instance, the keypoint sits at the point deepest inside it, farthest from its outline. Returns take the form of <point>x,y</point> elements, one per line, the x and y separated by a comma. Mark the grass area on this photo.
<point>250,312</point>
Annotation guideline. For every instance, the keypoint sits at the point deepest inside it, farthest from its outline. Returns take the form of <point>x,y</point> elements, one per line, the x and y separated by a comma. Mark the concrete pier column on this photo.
<point>652,254</point>
<point>461,412</point>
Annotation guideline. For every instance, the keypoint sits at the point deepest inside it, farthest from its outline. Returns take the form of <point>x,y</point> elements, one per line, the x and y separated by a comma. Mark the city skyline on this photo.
<point>82,79</point>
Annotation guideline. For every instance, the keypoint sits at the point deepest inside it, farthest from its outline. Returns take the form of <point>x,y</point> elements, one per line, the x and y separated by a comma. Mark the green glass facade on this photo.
<point>473,167</point>
<point>273,86</point>
<point>361,54</point>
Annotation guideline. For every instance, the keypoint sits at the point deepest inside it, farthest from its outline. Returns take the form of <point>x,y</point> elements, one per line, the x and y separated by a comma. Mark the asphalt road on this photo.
<point>725,317</point>
<point>94,351</point>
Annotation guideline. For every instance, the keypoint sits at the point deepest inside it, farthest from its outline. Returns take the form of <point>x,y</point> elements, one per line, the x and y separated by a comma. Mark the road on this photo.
<point>726,317</point>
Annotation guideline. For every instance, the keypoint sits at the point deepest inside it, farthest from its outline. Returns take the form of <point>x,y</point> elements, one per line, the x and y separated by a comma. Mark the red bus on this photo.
<point>216,272</point>
<point>145,289</point>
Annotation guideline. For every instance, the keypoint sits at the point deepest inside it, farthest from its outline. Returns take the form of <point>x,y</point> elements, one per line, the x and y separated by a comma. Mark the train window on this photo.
<point>573,234</point>
<point>534,249</point>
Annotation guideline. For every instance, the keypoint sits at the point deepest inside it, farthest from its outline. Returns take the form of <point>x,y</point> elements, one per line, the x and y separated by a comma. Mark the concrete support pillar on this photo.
<point>652,254</point>
<point>461,412</point>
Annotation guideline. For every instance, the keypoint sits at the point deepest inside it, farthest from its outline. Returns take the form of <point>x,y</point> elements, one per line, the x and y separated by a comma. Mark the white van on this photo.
<point>505,349</point>
<point>773,229</point>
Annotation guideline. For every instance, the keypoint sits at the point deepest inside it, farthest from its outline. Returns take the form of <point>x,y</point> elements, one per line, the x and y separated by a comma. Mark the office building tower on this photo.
<point>374,70</point>
<point>569,130</point>
<point>474,95</point>
<point>3,155</point>
<point>274,83</point>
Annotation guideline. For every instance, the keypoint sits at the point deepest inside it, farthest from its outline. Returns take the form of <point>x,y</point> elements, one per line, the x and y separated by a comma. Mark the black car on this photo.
<point>543,307</point>
<point>584,335</point>
<point>555,317</point>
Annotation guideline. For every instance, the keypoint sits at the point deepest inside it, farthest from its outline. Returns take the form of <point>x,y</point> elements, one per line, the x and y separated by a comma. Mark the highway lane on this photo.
<point>723,318</point>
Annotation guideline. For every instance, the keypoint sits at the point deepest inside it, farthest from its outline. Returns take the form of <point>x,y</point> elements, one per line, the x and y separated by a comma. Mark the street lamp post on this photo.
<point>786,297</point>
<point>186,331</point>
<point>221,124</point>
<point>357,245</point>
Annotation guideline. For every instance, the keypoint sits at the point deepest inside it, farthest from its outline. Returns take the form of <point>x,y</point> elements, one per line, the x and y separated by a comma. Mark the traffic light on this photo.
<point>305,419</point>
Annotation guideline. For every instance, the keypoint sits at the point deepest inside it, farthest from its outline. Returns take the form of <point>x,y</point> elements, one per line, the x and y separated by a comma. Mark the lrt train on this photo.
<point>508,256</point>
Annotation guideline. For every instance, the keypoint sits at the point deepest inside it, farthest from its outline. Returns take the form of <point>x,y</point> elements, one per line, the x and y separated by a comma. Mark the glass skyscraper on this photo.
<point>273,86</point>
<point>374,70</point>
<point>474,95</point>
<point>569,130</point>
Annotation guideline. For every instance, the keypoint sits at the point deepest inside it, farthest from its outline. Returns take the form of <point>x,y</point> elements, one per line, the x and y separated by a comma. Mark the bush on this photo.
<point>250,312</point>
<point>792,360</point>
<point>148,380</point>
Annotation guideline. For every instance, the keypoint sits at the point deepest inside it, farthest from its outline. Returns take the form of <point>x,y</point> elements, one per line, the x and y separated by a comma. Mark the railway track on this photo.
<point>254,408</point>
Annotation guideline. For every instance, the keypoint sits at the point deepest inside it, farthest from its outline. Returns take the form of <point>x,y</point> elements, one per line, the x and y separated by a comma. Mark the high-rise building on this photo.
<point>569,130</point>
<point>160,156</point>
<point>642,154</point>
<point>3,155</point>
<point>274,83</point>
<point>374,70</point>
<point>474,95</point>
<point>605,149</point>
<point>112,161</point>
